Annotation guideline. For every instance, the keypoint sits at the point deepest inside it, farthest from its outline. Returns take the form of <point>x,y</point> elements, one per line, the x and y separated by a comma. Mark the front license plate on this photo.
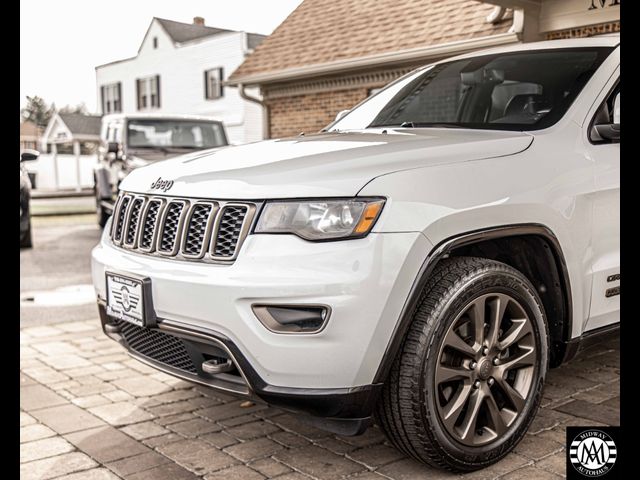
<point>124,299</point>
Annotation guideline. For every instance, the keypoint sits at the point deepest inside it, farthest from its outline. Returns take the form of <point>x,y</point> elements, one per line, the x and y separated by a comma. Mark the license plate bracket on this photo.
<point>129,299</point>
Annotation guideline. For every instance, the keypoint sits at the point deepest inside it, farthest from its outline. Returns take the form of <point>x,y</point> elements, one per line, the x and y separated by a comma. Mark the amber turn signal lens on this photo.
<point>368,217</point>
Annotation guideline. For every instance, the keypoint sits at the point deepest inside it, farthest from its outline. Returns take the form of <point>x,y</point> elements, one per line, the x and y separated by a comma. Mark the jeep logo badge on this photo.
<point>161,184</point>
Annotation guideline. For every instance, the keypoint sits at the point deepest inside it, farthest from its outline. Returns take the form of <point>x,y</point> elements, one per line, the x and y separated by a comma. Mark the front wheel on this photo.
<point>468,379</point>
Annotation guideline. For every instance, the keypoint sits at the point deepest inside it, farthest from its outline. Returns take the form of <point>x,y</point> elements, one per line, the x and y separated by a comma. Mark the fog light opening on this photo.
<point>293,318</point>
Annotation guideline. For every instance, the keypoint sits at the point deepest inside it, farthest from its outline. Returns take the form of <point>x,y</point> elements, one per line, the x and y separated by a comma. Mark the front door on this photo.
<point>605,268</point>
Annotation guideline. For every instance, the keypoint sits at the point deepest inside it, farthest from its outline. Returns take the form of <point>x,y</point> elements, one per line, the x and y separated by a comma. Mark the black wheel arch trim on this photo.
<point>442,250</point>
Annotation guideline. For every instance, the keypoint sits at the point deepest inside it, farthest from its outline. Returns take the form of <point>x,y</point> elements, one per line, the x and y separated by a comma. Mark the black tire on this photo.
<point>103,214</point>
<point>25,238</point>
<point>408,409</point>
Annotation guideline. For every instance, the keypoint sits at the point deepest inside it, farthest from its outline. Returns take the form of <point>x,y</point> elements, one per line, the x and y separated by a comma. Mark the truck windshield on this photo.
<point>525,90</point>
<point>174,133</point>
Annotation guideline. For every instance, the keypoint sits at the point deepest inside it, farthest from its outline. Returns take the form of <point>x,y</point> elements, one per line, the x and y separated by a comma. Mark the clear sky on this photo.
<point>61,41</point>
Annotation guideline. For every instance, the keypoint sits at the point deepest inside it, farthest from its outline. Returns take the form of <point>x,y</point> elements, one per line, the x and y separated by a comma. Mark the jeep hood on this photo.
<point>320,165</point>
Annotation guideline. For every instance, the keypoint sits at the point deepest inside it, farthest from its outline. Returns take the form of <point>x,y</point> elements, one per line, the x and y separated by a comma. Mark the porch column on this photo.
<point>76,152</point>
<point>54,150</point>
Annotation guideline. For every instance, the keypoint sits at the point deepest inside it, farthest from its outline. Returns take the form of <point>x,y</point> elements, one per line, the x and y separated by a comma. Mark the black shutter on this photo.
<point>206,85</point>
<point>119,97</point>
<point>220,78</point>
<point>158,89</point>
<point>138,93</point>
<point>102,99</point>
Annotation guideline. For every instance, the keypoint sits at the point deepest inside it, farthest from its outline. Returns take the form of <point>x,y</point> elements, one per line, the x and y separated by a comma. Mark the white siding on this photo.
<point>181,71</point>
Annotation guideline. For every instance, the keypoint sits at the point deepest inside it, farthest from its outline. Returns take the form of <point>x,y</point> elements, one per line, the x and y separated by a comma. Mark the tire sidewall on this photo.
<point>512,283</point>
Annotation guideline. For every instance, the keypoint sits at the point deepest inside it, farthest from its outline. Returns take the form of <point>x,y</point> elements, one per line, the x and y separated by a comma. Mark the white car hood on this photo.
<point>320,165</point>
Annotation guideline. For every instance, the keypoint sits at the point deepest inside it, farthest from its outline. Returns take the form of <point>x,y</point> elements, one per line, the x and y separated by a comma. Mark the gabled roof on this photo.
<point>79,124</point>
<point>185,32</point>
<point>320,32</point>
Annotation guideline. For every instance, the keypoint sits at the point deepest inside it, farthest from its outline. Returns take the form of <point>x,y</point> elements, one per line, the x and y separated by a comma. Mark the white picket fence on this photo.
<point>67,176</point>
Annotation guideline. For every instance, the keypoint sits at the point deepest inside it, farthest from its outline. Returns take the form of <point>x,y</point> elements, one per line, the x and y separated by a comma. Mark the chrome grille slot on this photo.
<point>196,237</point>
<point>171,226</point>
<point>228,231</point>
<point>121,216</point>
<point>133,221</point>
<point>184,229</point>
<point>149,225</point>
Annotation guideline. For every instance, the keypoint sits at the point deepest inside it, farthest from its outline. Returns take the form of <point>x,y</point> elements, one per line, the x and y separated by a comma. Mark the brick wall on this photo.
<point>311,112</point>
<point>589,31</point>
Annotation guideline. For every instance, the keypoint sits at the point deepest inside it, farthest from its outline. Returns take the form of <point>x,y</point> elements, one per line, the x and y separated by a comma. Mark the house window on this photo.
<point>148,92</point>
<point>155,42</point>
<point>111,98</point>
<point>213,83</point>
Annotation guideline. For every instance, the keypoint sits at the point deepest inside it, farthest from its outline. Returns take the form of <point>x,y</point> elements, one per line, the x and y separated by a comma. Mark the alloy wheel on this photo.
<point>485,370</point>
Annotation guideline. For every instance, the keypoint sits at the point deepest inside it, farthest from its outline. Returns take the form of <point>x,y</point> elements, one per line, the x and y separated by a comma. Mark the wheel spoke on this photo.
<point>454,341</point>
<point>525,358</point>
<point>499,425</point>
<point>446,374</point>
<point>498,307</point>
<point>518,330</point>
<point>451,412</point>
<point>512,394</point>
<point>468,426</point>
<point>476,316</point>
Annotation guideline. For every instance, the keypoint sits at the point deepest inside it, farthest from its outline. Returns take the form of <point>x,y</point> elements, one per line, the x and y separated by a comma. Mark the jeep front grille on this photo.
<point>181,228</point>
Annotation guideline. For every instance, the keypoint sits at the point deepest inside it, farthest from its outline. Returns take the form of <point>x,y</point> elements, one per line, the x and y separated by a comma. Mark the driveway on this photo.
<point>89,411</point>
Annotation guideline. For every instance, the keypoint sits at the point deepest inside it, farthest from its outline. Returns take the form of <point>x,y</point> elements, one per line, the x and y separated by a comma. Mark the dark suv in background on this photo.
<point>25,198</point>
<point>129,141</point>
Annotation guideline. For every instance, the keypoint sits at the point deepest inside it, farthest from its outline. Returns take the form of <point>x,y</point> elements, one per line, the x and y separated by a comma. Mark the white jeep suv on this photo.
<point>421,262</point>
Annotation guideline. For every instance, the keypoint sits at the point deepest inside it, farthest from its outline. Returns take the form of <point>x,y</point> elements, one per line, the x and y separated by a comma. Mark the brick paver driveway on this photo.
<point>89,411</point>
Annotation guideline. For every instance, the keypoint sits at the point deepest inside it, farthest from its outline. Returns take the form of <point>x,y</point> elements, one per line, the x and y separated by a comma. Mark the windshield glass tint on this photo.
<point>508,91</point>
<point>174,133</point>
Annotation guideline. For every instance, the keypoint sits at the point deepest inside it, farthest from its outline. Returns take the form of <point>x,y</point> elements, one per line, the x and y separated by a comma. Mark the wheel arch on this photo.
<point>509,244</point>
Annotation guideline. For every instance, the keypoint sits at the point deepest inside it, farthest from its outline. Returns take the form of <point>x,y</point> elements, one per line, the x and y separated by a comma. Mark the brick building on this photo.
<point>328,56</point>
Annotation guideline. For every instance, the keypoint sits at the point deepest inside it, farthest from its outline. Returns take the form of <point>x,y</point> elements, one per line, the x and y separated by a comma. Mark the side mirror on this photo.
<point>609,131</point>
<point>341,114</point>
<point>29,155</point>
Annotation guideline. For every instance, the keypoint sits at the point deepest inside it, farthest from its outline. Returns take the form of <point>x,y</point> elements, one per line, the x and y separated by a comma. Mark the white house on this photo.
<point>178,70</point>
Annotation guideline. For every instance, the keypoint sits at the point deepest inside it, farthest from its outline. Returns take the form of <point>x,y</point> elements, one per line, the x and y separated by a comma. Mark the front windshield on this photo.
<point>187,134</point>
<point>524,90</point>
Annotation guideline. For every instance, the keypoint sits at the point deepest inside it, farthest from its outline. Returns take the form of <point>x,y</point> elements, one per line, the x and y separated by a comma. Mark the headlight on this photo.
<point>320,219</point>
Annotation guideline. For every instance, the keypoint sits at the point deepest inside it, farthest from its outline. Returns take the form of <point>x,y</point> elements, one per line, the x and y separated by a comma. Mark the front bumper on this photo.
<point>329,373</point>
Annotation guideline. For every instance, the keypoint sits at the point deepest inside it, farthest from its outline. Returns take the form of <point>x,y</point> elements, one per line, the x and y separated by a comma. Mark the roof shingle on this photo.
<point>184,32</point>
<point>323,31</point>
<point>80,124</point>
